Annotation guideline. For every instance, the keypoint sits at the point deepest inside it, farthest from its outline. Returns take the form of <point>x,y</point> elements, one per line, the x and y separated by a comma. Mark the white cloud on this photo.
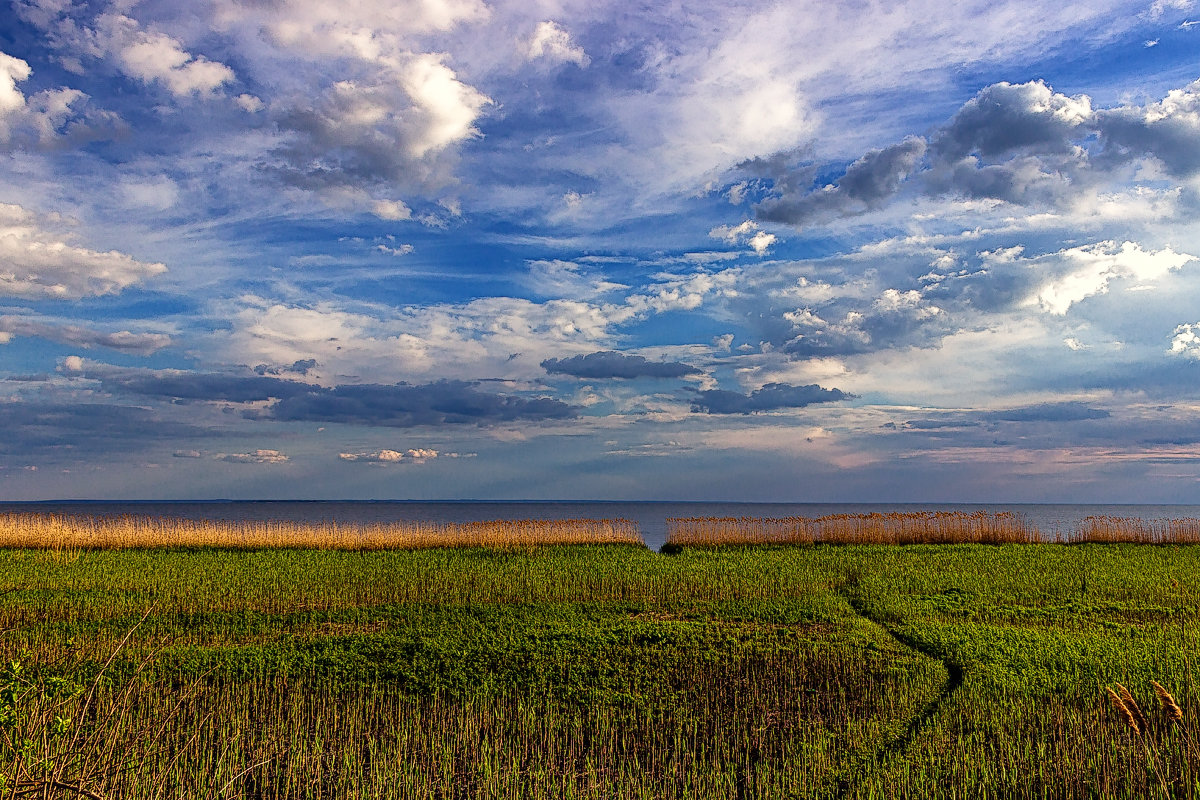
<point>1160,7</point>
<point>367,29</point>
<point>37,119</point>
<point>761,241</point>
<point>1088,271</point>
<point>254,457</point>
<point>412,456</point>
<point>552,43</point>
<point>12,71</point>
<point>147,55</point>
<point>39,264</point>
<point>1186,341</point>
<point>249,103</point>
<point>447,107</point>
<point>744,233</point>
<point>391,209</point>
<point>401,250</point>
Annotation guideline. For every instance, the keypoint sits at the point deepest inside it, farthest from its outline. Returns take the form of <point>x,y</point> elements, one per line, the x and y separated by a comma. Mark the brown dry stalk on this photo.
<point>912,527</point>
<point>1168,702</point>
<point>1132,705</point>
<point>1126,715</point>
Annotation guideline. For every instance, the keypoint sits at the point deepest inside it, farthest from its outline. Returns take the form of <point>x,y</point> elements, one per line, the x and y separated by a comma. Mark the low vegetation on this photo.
<point>512,671</point>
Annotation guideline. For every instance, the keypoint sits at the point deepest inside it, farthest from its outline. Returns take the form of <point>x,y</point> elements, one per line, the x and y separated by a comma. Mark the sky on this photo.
<point>481,249</point>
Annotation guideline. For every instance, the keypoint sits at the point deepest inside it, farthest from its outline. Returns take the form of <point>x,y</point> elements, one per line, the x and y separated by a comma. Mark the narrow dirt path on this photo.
<point>954,679</point>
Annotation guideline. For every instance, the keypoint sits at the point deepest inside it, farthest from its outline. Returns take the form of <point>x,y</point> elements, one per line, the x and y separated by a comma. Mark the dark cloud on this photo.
<point>405,405</point>
<point>611,364</point>
<point>65,429</point>
<point>1020,143</point>
<point>401,405</point>
<point>1005,118</point>
<point>124,341</point>
<point>770,397</point>
<point>1168,131</point>
<point>866,184</point>
<point>196,385</point>
<point>301,367</point>
<point>894,319</point>
<point>1049,412</point>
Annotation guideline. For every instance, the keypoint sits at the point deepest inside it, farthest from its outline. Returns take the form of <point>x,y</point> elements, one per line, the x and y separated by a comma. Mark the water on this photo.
<point>651,517</point>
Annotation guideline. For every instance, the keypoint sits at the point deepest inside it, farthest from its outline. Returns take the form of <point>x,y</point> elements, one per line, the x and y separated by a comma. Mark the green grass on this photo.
<point>599,671</point>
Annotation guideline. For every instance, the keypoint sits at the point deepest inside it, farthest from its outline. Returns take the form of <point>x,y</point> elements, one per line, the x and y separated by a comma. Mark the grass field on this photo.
<point>600,671</point>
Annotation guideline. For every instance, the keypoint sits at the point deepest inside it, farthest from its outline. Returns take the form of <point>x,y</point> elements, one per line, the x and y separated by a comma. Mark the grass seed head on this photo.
<point>1132,706</point>
<point>1168,703</point>
<point>1126,715</point>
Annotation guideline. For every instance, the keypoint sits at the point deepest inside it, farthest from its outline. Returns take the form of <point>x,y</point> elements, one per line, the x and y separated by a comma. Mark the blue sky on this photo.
<point>903,251</point>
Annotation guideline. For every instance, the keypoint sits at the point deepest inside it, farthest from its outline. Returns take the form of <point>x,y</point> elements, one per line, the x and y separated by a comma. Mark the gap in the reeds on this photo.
<point>919,527</point>
<point>59,532</point>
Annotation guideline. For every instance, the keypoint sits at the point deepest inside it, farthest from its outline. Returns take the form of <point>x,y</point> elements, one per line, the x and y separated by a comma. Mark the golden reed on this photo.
<point>922,527</point>
<point>913,527</point>
<point>56,532</point>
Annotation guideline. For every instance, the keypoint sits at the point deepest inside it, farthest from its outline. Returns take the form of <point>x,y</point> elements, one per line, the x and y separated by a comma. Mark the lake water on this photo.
<point>651,517</point>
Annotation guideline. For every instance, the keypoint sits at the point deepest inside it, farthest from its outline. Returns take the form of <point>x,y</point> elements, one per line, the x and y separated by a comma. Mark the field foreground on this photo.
<point>600,671</point>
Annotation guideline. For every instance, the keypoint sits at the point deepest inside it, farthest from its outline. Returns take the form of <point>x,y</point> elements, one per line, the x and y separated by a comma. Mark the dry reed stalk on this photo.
<point>1169,706</point>
<point>1134,530</point>
<point>917,527</point>
<point>57,533</point>
<point>1132,706</point>
<point>1127,716</point>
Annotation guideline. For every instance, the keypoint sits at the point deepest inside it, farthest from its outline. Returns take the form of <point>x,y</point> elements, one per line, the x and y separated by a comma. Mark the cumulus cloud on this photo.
<point>301,366</point>
<point>1186,340</point>
<point>152,56</point>
<point>124,341</point>
<point>865,185</point>
<point>554,44</point>
<point>145,54</point>
<point>411,456</point>
<point>611,364</point>
<point>1086,271</point>
<point>893,319</point>
<point>254,457</point>
<point>745,233</point>
<point>771,397</point>
<point>38,264</point>
<point>1019,143</point>
<point>46,118</point>
<point>1004,118</point>
<point>383,130</point>
<point>1167,131</point>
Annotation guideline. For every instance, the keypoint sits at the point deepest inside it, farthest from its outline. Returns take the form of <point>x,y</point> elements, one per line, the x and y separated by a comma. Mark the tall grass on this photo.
<point>55,532</point>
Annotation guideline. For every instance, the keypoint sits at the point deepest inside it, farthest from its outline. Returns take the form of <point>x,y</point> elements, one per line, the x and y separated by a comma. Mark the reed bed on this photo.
<point>1132,530</point>
<point>917,527</point>
<point>64,532</point>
